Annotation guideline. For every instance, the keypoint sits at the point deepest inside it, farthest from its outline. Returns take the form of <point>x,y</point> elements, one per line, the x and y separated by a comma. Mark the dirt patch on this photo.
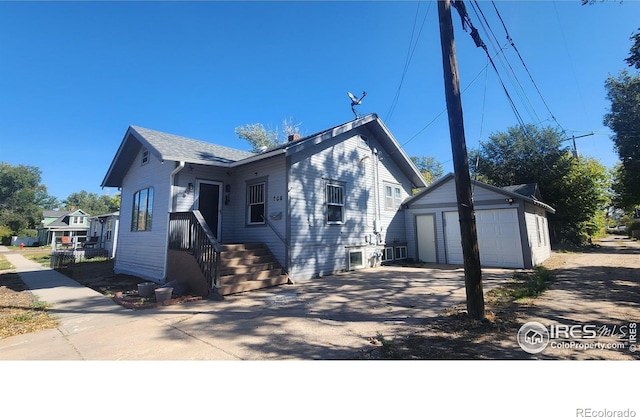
<point>20,310</point>
<point>597,285</point>
<point>122,288</point>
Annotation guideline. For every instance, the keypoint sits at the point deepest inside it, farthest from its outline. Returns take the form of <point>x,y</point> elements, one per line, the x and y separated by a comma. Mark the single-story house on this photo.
<point>327,202</point>
<point>103,232</point>
<point>63,227</point>
<point>511,223</point>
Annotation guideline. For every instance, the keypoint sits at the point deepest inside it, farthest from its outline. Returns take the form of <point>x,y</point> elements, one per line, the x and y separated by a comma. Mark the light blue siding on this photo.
<point>144,253</point>
<point>319,248</point>
<point>233,210</point>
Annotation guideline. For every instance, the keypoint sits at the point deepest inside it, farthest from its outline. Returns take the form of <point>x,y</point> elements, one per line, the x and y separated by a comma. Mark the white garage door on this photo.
<point>498,238</point>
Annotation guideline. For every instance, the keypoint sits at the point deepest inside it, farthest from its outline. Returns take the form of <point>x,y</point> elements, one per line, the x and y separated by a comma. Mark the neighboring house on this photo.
<point>324,203</point>
<point>103,232</point>
<point>511,222</point>
<point>57,227</point>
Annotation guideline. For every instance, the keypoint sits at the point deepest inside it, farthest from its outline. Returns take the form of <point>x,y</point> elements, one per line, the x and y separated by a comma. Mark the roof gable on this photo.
<point>61,218</point>
<point>371,124</point>
<point>503,191</point>
<point>168,147</point>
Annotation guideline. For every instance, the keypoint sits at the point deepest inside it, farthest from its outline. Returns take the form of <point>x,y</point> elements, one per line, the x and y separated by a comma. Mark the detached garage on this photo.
<point>511,222</point>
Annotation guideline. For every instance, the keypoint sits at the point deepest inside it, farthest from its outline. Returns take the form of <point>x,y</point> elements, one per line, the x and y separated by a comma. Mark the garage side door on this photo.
<point>425,226</point>
<point>498,238</point>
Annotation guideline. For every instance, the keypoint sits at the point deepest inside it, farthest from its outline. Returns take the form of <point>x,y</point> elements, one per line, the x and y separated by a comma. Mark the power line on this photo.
<point>410,52</point>
<point>505,62</point>
<point>445,109</point>
<point>513,45</point>
<point>459,5</point>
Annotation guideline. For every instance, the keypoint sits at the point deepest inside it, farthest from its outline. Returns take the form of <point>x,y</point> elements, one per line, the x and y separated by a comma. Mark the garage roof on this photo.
<point>510,191</point>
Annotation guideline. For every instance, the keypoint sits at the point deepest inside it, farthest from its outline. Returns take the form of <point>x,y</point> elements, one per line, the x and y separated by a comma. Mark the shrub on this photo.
<point>633,226</point>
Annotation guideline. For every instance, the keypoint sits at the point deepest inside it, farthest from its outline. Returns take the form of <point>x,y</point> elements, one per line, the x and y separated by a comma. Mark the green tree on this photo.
<point>621,197</point>
<point>634,54</point>
<point>92,203</point>
<point>262,138</point>
<point>258,136</point>
<point>623,118</point>
<point>22,197</point>
<point>430,168</point>
<point>576,188</point>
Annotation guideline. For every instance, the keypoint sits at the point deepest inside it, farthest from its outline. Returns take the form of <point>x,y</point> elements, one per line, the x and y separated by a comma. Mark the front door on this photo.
<point>209,202</point>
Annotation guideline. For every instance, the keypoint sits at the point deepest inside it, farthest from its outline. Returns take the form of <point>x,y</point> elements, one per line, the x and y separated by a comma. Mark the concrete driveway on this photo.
<point>326,318</point>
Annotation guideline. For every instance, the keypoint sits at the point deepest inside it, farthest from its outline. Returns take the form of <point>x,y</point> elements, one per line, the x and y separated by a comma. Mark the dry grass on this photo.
<point>455,335</point>
<point>20,311</point>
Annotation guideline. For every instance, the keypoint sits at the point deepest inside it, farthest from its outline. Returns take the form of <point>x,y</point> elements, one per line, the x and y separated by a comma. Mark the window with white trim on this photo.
<point>109,229</point>
<point>400,252</point>
<point>256,203</point>
<point>387,254</point>
<point>334,196</point>
<point>392,197</point>
<point>142,210</point>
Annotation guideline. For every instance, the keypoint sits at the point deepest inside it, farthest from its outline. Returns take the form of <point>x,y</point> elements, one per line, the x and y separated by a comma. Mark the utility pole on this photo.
<point>468,232</point>
<point>575,148</point>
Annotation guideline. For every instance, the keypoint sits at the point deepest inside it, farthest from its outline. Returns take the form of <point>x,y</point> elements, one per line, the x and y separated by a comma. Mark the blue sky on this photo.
<point>75,75</point>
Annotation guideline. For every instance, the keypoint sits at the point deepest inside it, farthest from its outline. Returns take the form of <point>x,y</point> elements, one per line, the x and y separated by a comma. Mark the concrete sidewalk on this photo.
<point>326,318</point>
<point>92,326</point>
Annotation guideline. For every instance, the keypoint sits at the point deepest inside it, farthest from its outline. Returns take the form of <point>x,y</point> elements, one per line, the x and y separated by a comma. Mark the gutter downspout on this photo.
<point>376,189</point>
<point>178,168</point>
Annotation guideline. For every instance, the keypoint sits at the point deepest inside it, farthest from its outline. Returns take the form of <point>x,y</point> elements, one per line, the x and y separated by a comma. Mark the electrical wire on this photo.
<point>564,40</point>
<point>504,61</point>
<point>410,53</point>
<point>445,109</point>
<point>484,99</point>
<point>480,43</point>
<point>515,48</point>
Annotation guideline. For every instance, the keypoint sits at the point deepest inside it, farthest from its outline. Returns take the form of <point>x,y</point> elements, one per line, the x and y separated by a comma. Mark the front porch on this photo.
<point>64,239</point>
<point>196,258</point>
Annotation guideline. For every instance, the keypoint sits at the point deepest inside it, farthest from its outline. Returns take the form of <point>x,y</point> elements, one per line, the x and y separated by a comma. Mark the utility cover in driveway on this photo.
<point>498,238</point>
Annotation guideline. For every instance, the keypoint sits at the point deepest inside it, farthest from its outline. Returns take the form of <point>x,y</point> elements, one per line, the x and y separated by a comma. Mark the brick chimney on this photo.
<point>293,137</point>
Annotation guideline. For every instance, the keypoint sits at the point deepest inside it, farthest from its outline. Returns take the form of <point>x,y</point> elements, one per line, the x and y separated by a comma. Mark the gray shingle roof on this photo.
<point>179,148</point>
<point>527,190</point>
<point>167,147</point>
<point>55,213</point>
